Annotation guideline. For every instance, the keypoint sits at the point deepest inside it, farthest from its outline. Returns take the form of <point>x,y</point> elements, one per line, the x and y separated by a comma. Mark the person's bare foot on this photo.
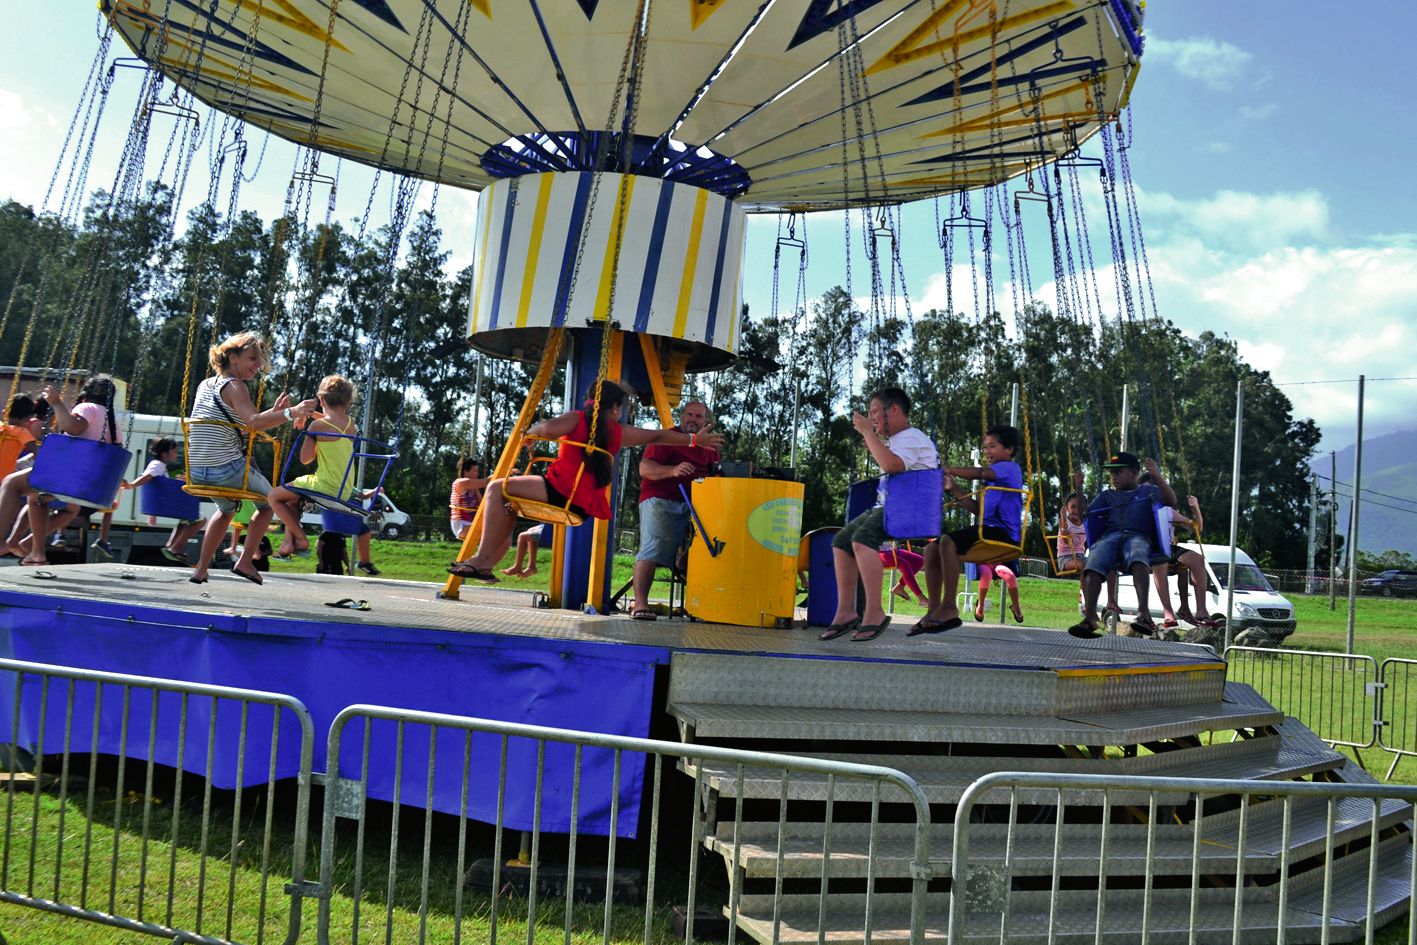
<point>528,573</point>
<point>32,561</point>
<point>514,571</point>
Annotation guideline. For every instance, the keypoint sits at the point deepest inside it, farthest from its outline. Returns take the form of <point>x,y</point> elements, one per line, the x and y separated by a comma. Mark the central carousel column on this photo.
<point>656,262</point>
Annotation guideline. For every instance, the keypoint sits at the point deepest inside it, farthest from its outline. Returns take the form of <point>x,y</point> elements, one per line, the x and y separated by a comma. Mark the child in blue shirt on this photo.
<point>1127,539</point>
<point>1002,518</point>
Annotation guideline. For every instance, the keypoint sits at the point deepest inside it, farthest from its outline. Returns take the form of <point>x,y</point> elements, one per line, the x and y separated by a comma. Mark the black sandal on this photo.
<point>838,629</point>
<point>1084,630</point>
<point>870,631</point>
<point>476,574</point>
<point>935,626</point>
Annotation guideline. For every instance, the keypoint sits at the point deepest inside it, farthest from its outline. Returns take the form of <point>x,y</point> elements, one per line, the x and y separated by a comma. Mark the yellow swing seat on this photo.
<point>231,493</point>
<point>545,512</point>
<point>1052,541</point>
<point>986,550</point>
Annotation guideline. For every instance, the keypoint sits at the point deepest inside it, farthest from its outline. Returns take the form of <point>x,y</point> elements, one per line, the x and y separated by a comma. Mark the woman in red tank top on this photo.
<point>587,494</point>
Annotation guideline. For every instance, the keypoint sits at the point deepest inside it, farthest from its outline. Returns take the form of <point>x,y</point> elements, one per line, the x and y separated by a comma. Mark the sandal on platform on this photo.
<point>476,574</point>
<point>348,603</point>
<point>870,631</point>
<point>935,626</point>
<point>838,629</point>
<point>1084,630</point>
<point>643,614</point>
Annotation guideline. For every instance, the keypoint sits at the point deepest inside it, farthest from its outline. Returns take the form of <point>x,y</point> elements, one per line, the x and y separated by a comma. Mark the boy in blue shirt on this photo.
<point>1127,538</point>
<point>1002,517</point>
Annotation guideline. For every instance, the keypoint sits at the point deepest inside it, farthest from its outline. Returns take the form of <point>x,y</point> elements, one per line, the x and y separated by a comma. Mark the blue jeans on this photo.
<point>230,475</point>
<point>1119,550</point>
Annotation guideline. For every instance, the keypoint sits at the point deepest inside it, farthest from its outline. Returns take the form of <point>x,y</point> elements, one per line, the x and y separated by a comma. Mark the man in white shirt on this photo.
<point>896,447</point>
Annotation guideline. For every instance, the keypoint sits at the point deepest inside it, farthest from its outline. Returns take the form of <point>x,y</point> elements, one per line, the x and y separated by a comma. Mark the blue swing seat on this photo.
<point>341,523</point>
<point>1095,524</point>
<point>914,504</point>
<point>85,472</point>
<point>164,497</point>
<point>344,504</point>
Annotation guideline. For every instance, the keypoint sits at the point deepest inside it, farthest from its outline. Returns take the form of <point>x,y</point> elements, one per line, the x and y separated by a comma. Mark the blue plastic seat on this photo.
<point>914,503</point>
<point>1095,524</point>
<point>341,523</point>
<point>85,472</point>
<point>164,497</point>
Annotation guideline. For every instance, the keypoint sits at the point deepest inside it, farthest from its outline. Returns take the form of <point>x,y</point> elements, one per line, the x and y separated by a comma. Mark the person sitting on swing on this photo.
<point>565,485</point>
<point>1126,540</point>
<point>91,419</point>
<point>896,446</point>
<point>216,452</point>
<point>1187,565</point>
<point>1001,520</point>
<point>331,455</point>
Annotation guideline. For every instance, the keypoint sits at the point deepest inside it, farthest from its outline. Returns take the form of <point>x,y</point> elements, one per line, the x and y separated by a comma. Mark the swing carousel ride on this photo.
<point>618,144</point>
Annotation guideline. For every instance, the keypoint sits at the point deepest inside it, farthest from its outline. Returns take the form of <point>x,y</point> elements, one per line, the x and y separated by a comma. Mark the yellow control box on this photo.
<point>753,578</point>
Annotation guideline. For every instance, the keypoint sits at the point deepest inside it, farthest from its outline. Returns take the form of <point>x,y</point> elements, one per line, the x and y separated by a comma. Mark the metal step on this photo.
<point>1133,726</point>
<point>1031,687</point>
<point>1173,845</point>
<point>1292,752</point>
<point>1168,917</point>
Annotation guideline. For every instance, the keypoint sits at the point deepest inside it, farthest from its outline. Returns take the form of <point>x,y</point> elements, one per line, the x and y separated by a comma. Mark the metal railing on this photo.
<point>1335,695</point>
<point>1398,733</point>
<point>1099,877</point>
<point>71,729</point>
<point>405,882</point>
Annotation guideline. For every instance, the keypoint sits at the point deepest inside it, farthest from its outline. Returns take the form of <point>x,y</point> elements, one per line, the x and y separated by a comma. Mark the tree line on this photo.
<point>118,291</point>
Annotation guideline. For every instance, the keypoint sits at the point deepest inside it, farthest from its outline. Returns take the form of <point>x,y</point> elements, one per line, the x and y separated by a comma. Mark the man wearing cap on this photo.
<point>1127,538</point>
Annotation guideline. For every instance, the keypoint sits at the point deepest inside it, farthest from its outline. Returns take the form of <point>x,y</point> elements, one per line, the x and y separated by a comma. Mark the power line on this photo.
<point>1385,495</point>
<point>1341,380</point>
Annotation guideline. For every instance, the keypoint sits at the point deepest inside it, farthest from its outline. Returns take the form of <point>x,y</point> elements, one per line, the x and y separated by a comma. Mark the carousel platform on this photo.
<point>945,709</point>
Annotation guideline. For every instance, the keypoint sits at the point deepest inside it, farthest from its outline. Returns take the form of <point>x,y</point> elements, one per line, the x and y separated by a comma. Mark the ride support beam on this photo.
<point>509,452</point>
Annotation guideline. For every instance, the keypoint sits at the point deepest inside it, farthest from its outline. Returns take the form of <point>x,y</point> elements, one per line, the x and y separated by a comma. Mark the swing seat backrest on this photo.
<point>164,497</point>
<point>1159,533</point>
<point>85,472</point>
<point>861,497</point>
<point>914,503</point>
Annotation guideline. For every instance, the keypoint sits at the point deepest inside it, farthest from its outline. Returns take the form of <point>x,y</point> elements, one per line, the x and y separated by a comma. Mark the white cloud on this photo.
<point>1233,219</point>
<point>1216,63</point>
<point>1258,112</point>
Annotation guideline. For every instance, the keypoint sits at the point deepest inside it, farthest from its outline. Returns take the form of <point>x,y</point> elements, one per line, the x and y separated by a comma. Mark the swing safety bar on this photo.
<point>714,545</point>
<point>988,551</point>
<point>233,493</point>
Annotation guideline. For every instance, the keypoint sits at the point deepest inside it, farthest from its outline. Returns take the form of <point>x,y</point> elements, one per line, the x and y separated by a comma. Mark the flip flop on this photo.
<point>979,615</point>
<point>870,631</point>
<point>348,603</point>
<point>1084,631</point>
<point>1146,629</point>
<point>196,580</point>
<point>44,576</point>
<point>476,574</point>
<point>1170,622</point>
<point>254,577</point>
<point>935,626</point>
<point>643,614</point>
<point>838,629</point>
<point>1018,614</point>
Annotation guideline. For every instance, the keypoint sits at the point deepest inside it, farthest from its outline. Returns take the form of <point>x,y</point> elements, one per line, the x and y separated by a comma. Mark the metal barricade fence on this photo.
<point>1398,733</point>
<point>100,822</point>
<point>502,776</point>
<point>1336,695</point>
<point>1138,859</point>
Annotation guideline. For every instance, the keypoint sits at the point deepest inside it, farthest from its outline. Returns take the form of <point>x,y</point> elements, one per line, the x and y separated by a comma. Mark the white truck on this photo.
<point>134,540</point>
<point>1258,606</point>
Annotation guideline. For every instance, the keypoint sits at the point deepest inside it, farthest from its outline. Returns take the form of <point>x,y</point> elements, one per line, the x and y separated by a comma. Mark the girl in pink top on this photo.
<point>91,419</point>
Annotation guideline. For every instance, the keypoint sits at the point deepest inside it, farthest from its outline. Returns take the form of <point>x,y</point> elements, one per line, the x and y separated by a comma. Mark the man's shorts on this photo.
<point>868,528</point>
<point>1118,550</point>
<point>229,475</point>
<point>664,524</point>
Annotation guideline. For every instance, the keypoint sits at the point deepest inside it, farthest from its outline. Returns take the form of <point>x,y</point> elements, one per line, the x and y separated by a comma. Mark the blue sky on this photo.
<point>1271,165</point>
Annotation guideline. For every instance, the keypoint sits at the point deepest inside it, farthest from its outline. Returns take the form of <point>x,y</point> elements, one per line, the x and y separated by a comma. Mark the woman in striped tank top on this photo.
<point>216,452</point>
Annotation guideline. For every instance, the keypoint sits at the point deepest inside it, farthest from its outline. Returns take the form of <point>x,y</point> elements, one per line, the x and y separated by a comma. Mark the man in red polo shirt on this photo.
<point>664,515</point>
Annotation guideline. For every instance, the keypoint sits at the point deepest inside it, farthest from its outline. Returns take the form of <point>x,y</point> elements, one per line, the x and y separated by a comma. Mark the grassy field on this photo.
<point>1384,629</point>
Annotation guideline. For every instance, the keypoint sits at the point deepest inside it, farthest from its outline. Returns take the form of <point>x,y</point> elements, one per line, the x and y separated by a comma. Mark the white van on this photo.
<point>388,521</point>
<point>1257,606</point>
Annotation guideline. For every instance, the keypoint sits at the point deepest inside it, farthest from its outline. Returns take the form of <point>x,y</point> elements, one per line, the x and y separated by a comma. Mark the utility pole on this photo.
<point>1332,530</point>
<point>1313,533</point>
<point>1353,520</point>
<point>1126,412</point>
<point>1234,515</point>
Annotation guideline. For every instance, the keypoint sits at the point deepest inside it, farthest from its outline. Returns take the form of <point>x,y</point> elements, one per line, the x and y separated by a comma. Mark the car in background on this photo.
<point>1391,583</point>
<point>388,521</point>
<point>1257,605</point>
